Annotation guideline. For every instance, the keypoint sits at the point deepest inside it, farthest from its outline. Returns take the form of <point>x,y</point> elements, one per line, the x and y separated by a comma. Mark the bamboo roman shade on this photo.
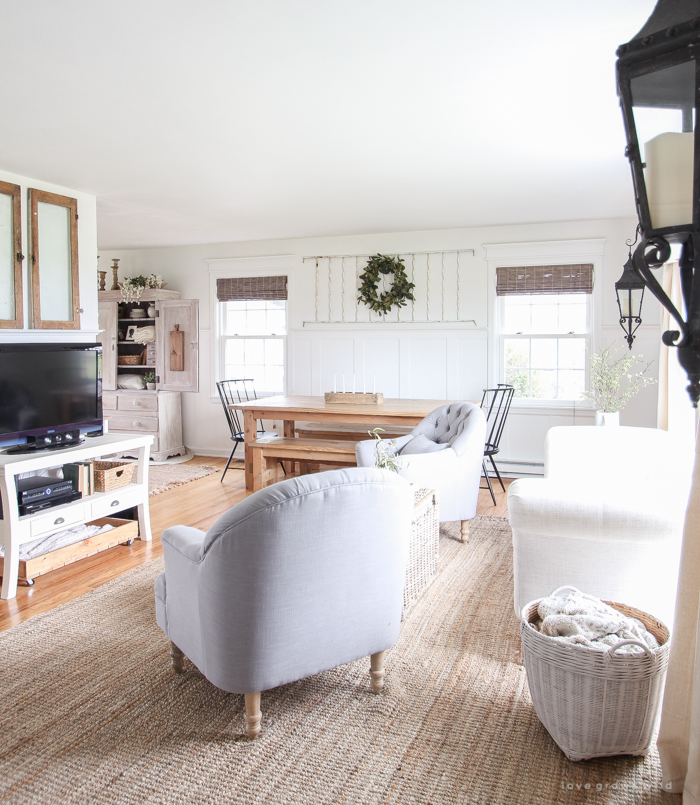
<point>513,280</point>
<point>240,288</point>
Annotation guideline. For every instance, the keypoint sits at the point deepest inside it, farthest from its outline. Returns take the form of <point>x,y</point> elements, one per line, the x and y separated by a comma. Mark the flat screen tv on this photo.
<point>48,389</point>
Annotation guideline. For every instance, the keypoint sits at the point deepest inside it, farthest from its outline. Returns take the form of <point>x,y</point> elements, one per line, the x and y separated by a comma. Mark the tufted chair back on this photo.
<point>442,428</point>
<point>443,452</point>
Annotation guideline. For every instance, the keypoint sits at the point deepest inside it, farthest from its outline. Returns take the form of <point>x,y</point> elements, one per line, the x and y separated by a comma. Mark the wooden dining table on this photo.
<point>291,409</point>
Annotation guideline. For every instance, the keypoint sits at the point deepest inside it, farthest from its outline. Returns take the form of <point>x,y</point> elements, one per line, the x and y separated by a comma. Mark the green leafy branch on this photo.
<point>385,458</point>
<point>608,373</point>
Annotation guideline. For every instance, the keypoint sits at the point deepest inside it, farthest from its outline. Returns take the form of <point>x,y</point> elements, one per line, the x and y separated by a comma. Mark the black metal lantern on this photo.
<point>659,86</point>
<point>629,290</point>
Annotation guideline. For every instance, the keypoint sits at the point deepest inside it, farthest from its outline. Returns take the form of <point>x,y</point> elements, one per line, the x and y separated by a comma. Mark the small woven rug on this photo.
<point>162,477</point>
<point>92,713</point>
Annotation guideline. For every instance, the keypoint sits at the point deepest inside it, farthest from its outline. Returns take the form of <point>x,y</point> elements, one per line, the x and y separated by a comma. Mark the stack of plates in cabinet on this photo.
<point>151,354</point>
<point>137,313</point>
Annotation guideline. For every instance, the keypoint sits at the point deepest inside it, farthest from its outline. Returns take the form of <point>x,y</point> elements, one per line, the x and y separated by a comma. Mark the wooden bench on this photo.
<point>348,431</point>
<point>267,452</point>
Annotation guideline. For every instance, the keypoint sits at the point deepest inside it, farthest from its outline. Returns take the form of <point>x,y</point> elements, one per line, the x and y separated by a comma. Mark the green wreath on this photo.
<point>401,289</point>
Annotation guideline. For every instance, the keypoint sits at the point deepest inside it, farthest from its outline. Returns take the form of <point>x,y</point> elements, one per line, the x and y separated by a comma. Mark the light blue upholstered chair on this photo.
<point>296,579</point>
<point>443,452</point>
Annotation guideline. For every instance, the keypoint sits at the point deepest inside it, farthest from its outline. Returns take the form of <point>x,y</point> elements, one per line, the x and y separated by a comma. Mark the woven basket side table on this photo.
<point>423,544</point>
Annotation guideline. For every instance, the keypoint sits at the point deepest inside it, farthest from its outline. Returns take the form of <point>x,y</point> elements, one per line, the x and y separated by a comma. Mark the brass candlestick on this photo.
<point>115,274</point>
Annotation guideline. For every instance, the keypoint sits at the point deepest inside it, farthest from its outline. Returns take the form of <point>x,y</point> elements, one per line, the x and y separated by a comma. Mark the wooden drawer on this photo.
<point>112,502</point>
<point>109,402</point>
<point>123,531</point>
<point>57,520</point>
<point>137,423</point>
<point>137,402</point>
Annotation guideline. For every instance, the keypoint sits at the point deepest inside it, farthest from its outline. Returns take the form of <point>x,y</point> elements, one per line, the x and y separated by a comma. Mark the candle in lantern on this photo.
<point>669,178</point>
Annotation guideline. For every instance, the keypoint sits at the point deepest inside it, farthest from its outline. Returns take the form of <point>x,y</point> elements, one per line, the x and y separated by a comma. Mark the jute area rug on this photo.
<point>91,713</point>
<point>162,477</point>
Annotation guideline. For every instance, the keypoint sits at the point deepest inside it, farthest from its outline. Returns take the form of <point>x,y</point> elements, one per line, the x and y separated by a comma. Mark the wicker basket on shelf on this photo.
<point>595,702</point>
<point>111,475</point>
<point>131,360</point>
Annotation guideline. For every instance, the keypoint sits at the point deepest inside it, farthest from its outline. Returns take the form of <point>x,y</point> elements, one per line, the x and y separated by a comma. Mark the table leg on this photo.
<point>288,433</point>
<point>250,432</point>
<point>259,467</point>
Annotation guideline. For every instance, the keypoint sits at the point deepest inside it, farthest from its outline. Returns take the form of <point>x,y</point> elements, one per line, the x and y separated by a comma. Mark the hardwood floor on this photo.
<point>198,503</point>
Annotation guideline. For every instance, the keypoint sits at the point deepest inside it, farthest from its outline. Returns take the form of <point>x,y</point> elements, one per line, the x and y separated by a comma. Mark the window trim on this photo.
<point>562,252</point>
<point>269,265</point>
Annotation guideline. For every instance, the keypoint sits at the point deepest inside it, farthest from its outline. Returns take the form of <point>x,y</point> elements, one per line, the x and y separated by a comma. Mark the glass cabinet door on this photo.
<point>11,307</point>
<point>54,238</point>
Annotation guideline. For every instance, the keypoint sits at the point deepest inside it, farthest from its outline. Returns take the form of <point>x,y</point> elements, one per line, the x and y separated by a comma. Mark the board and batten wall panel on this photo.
<point>427,366</point>
<point>381,361</point>
<point>430,365</point>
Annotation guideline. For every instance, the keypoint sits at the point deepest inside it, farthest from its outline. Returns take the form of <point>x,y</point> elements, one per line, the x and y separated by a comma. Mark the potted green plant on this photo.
<point>150,380</point>
<point>614,382</point>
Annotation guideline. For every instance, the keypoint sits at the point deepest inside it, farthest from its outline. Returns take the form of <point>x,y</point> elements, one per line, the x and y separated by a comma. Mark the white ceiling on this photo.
<point>224,120</point>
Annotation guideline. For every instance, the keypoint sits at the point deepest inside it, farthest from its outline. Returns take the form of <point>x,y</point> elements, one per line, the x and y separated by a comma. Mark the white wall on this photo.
<point>87,264</point>
<point>413,359</point>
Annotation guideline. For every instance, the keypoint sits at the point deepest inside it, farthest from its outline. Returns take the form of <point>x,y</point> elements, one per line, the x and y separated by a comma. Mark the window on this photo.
<point>543,345</point>
<point>544,329</point>
<point>253,341</point>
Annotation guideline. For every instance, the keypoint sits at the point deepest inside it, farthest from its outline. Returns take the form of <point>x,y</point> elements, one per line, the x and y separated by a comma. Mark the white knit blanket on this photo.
<point>59,539</point>
<point>579,618</point>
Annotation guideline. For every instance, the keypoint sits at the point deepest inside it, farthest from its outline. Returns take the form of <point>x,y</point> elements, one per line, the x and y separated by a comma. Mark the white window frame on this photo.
<point>268,266</point>
<point>224,337</point>
<point>566,252</point>
<point>586,336</point>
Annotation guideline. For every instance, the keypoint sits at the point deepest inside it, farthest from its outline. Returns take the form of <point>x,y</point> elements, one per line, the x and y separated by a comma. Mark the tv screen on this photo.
<point>49,388</point>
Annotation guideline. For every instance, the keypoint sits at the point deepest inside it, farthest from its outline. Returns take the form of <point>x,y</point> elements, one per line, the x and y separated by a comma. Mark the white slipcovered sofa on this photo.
<point>607,518</point>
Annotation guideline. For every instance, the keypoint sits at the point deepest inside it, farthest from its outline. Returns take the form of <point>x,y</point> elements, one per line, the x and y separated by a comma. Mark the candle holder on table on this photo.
<point>352,398</point>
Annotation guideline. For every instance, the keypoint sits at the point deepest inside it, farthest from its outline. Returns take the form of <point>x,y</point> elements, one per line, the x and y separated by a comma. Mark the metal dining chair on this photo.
<point>495,403</point>
<point>232,392</point>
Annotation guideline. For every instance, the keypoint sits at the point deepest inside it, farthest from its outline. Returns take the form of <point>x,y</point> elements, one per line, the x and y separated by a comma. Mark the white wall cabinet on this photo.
<point>156,412</point>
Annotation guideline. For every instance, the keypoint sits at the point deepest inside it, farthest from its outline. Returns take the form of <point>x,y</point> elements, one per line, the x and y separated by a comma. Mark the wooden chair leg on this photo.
<point>377,671</point>
<point>253,715</point>
<point>177,658</point>
<point>465,530</point>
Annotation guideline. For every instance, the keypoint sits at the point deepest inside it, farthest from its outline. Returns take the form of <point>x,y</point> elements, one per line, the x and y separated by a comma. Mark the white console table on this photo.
<point>16,530</point>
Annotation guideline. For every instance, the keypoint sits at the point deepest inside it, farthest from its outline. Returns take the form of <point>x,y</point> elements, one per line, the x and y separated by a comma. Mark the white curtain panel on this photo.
<point>675,412</point>
<point>679,734</point>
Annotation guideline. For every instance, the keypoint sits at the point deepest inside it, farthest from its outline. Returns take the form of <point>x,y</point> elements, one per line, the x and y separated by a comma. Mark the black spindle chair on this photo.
<point>232,392</point>
<point>495,404</point>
